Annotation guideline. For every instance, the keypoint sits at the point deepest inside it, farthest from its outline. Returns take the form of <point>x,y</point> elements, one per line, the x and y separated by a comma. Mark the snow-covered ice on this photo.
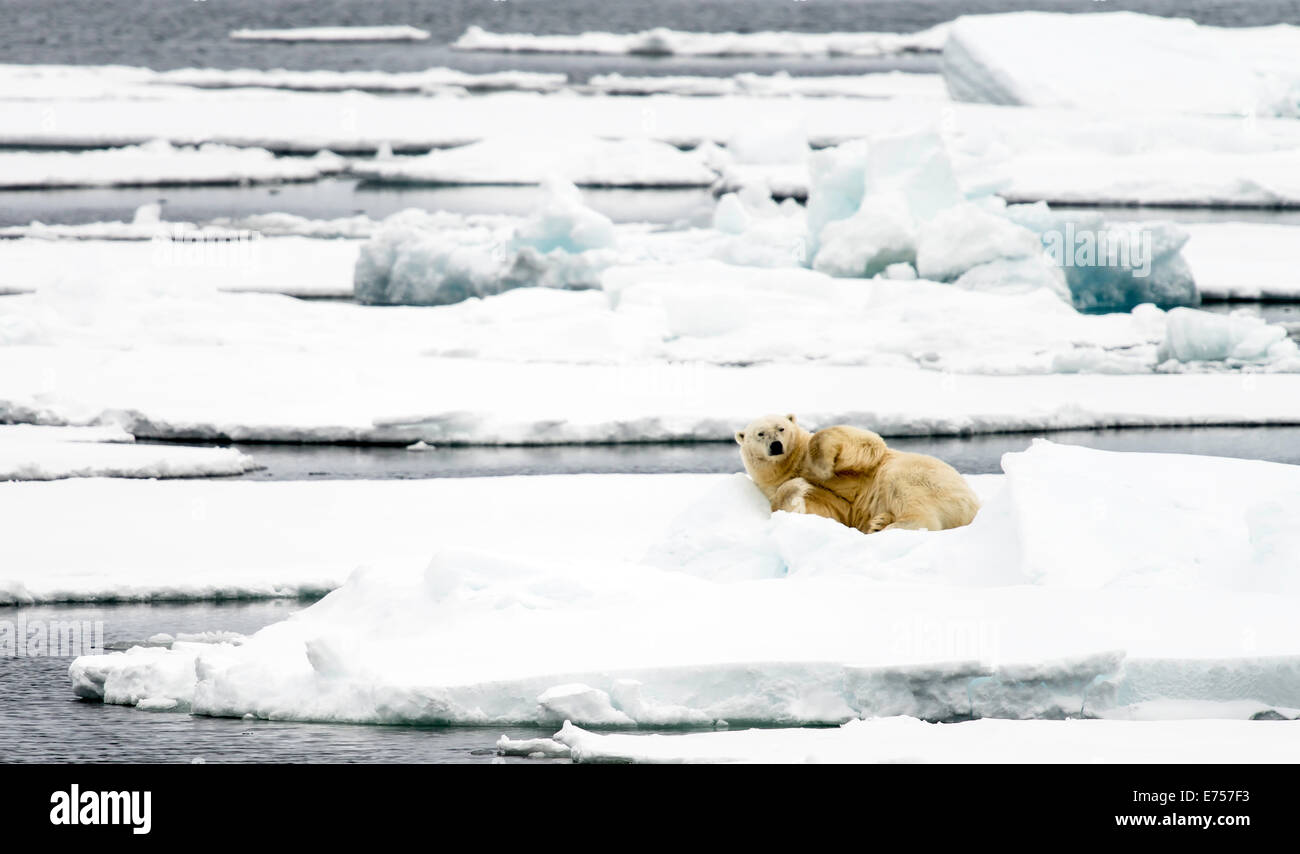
<point>429,81</point>
<point>296,538</point>
<point>1244,260</point>
<point>334,34</point>
<point>158,163</point>
<point>887,84</point>
<point>1198,336</point>
<point>175,263</point>
<point>1119,588</point>
<point>29,452</point>
<point>662,41</point>
<point>378,394</point>
<point>662,351</point>
<point>987,141</point>
<point>583,160</point>
<point>564,244</point>
<point>1181,177</point>
<point>88,82</point>
<point>902,739</point>
<point>1123,61</point>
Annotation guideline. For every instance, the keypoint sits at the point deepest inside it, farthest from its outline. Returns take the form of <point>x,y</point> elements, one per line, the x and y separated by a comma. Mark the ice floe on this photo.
<point>1123,61</point>
<point>429,81</point>
<point>1089,579</point>
<point>902,739</point>
<point>158,163</point>
<point>29,452</point>
<point>662,41</point>
<point>887,84</point>
<point>309,536</point>
<point>87,82</point>
<point>1235,163</point>
<point>334,34</point>
<point>176,262</point>
<point>586,161</point>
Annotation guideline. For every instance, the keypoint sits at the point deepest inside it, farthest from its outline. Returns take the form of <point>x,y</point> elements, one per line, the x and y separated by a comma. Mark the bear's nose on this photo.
<point>775,448</point>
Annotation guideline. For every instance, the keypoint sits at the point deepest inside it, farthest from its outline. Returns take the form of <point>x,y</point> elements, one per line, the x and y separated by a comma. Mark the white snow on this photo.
<point>298,537</point>
<point>334,34</point>
<point>175,265</point>
<point>586,161</point>
<point>903,739</point>
<point>662,41</point>
<point>1177,176</point>
<point>158,163</point>
<point>1123,61</point>
<point>29,452</point>
<point>636,609</point>
<point>1241,260</point>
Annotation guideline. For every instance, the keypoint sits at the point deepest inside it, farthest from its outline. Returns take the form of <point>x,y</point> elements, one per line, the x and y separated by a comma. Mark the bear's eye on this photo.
<point>760,435</point>
<point>781,430</point>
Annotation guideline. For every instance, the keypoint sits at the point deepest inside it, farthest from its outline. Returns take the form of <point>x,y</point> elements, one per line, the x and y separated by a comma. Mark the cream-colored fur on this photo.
<point>851,475</point>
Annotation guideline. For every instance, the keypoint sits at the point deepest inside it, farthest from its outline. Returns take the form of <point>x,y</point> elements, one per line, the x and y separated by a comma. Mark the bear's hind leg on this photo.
<point>879,522</point>
<point>916,522</point>
<point>841,449</point>
<point>799,496</point>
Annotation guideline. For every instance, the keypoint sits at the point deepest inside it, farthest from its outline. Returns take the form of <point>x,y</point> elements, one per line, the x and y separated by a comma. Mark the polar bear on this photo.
<point>851,475</point>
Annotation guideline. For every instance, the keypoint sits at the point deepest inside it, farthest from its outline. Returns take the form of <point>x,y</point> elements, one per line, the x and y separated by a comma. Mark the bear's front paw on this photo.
<point>790,496</point>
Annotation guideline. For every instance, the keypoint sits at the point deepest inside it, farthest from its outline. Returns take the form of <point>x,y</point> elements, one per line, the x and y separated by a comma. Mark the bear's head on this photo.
<point>771,444</point>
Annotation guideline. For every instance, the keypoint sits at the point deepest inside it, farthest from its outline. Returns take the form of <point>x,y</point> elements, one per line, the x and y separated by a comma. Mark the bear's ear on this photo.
<point>740,437</point>
<point>791,417</point>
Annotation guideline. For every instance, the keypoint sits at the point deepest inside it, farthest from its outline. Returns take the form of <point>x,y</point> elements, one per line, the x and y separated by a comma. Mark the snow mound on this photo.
<point>334,34</point>
<point>1087,579</point>
<point>662,41</point>
<point>564,245</point>
<point>896,200</point>
<point>158,163</point>
<point>1105,62</point>
<point>1113,266</point>
<point>1199,336</point>
<point>585,161</point>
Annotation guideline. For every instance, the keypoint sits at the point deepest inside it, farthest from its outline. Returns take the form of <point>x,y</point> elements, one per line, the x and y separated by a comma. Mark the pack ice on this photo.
<point>1090,584</point>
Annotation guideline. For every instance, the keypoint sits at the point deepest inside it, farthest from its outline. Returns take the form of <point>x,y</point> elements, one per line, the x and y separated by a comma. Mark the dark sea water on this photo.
<point>166,34</point>
<point>41,720</point>
<point>968,454</point>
